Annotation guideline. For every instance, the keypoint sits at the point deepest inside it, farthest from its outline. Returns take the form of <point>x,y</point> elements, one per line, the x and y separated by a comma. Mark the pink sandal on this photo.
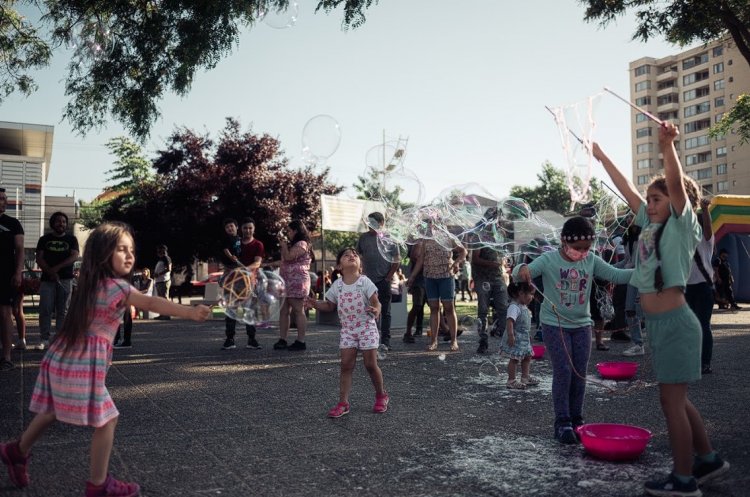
<point>339,410</point>
<point>381,403</point>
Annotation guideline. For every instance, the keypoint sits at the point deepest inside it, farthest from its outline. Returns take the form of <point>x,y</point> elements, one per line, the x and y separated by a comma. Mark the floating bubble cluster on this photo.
<point>252,296</point>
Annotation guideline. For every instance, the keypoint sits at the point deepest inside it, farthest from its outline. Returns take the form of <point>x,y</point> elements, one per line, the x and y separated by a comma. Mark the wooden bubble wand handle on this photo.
<point>642,111</point>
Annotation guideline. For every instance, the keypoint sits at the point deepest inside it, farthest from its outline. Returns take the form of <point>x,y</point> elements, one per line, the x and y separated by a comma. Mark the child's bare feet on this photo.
<point>454,346</point>
<point>432,345</point>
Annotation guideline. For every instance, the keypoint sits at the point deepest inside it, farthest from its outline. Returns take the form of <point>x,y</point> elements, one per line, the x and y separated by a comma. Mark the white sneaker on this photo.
<point>20,344</point>
<point>634,351</point>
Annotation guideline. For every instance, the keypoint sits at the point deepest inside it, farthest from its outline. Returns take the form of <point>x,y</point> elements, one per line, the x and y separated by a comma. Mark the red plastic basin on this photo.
<point>538,351</point>
<point>614,442</point>
<point>617,370</point>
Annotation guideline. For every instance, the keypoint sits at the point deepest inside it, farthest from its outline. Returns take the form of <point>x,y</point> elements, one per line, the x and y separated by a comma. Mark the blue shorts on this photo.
<point>440,288</point>
<point>675,338</point>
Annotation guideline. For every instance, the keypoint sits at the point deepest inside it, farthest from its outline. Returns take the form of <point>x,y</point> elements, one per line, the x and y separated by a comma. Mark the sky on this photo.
<point>464,82</point>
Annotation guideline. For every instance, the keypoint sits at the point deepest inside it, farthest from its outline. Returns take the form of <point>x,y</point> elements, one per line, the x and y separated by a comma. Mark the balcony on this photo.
<point>669,107</point>
<point>666,76</point>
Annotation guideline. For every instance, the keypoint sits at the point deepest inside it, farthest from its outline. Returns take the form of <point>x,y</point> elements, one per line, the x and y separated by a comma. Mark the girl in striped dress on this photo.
<point>71,383</point>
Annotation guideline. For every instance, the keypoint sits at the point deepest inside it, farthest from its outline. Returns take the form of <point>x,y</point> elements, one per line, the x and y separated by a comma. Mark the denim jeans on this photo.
<point>384,297</point>
<point>498,292</point>
<point>53,296</point>
<point>700,298</point>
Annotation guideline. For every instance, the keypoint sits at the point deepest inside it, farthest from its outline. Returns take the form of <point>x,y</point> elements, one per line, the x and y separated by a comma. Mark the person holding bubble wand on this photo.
<point>670,234</point>
<point>355,297</point>
<point>567,274</point>
<point>71,385</point>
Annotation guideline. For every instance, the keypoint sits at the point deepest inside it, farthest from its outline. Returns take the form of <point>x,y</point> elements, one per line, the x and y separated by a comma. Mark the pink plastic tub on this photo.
<point>617,370</point>
<point>538,351</point>
<point>614,442</point>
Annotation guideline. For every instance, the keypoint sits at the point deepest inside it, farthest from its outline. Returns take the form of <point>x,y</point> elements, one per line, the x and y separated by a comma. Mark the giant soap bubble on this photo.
<point>251,296</point>
<point>321,137</point>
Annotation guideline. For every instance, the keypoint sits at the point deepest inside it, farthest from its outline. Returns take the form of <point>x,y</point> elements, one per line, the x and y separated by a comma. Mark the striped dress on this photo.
<point>71,381</point>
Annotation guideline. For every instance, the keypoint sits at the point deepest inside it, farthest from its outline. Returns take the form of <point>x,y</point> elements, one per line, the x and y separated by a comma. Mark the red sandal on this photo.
<point>339,410</point>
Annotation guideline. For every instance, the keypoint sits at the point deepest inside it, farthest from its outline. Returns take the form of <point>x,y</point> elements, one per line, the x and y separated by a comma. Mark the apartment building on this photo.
<point>693,89</point>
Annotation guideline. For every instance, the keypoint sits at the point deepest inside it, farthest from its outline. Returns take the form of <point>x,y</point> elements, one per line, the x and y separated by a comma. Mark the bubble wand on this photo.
<point>642,111</point>
<point>569,130</point>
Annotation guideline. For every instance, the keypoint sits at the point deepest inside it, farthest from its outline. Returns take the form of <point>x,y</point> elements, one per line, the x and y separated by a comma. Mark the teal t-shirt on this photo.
<point>677,244</point>
<point>567,286</point>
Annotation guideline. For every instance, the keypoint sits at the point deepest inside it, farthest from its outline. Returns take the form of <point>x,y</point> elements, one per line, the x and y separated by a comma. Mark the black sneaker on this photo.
<point>280,345</point>
<point>705,471</point>
<point>706,369</point>
<point>671,486</point>
<point>123,345</point>
<point>252,343</point>
<point>387,346</point>
<point>297,345</point>
<point>565,435</point>
<point>408,338</point>
<point>418,333</point>
<point>482,347</point>
<point>228,344</point>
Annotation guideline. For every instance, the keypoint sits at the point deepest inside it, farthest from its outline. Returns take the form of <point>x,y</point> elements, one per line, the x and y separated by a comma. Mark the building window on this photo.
<point>645,147</point>
<point>696,93</point>
<point>643,101</point>
<point>644,85</point>
<point>700,158</point>
<point>644,164</point>
<point>641,132</point>
<point>704,173</point>
<point>694,61</point>
<point>719,102</point>
<point>722,186</point>
<point>667,99</point>
<point>721,152</point>
<point>719,84</point>
<point>697,125</point>
<point>694,77</point>
<point>641,70</point>
<point>709,188</point>
<point>643,179</point>
<point>697,109</point>
<point>718,117</point>
<point>640,117</point>
<point>721,169</point>
<point>718,51</point>
<point>669,116</point>
<point>698,141</point>
<point>666,84</point>
<point>718,67</point>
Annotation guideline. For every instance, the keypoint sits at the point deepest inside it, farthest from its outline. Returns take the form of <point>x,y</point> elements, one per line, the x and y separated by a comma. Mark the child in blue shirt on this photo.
<point>568,274</point>
<point>670,235</point>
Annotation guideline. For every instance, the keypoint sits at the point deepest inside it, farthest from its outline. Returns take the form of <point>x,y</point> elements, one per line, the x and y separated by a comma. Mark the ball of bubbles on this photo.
<point>607,311</point>
<point>252,296</point>
<point>92,40</point>
<point>515,208</point>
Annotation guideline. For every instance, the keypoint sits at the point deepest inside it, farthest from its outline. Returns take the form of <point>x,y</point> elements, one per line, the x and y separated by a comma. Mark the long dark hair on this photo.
<point>300,232</point>
<point>95,268</point>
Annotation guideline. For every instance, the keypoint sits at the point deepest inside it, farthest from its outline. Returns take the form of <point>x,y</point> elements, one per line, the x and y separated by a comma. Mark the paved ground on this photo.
<point>199,421</point>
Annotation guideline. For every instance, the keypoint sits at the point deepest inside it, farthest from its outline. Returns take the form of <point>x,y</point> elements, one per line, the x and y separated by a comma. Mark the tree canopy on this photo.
<point>680,21</point>
<point>552,193</point>
<point>129,53</point>
<point>198,182</point>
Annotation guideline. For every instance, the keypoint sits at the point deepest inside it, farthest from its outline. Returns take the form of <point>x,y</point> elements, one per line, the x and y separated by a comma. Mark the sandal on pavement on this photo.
<point>601,346</point>
<point>339,410</point>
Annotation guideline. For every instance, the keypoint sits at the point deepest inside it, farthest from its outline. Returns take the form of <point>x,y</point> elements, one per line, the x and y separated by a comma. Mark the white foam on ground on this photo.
<point>525,465</point>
